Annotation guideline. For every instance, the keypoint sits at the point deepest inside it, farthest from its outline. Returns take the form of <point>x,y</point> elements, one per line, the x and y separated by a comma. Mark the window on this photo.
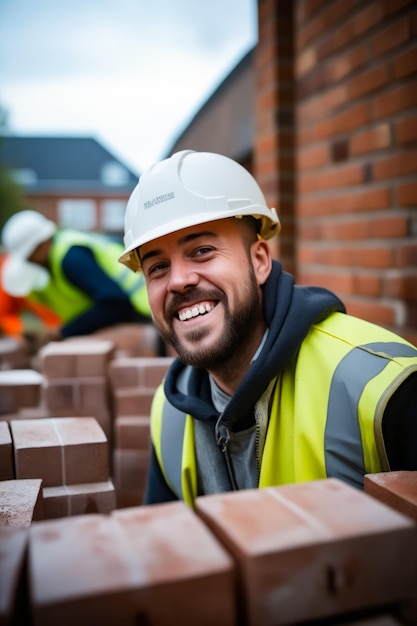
<point>113,215</point>
<point>113,174</point>
<point>78,214</point>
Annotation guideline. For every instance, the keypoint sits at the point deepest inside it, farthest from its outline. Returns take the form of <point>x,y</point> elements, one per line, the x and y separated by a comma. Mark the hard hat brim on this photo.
<point>270,227</point>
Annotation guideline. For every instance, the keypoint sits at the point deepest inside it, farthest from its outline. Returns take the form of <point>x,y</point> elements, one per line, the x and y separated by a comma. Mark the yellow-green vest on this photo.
<point>316,422</point>
<point>65,298</point>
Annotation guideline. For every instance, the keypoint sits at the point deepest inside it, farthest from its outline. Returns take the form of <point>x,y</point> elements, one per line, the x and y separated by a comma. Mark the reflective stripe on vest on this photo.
<point>339,414</point>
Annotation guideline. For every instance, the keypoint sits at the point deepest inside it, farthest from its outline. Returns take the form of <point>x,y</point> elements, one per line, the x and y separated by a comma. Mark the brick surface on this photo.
<point>60,450</point>
<point>19,388</point>
<point>13,601</point>
<point>125,372</point>
<point>396,489</point>
<point>133,401</point>
<point>127,569</point>
<point>13,354</point>
<point>132,432</point>
<point>21,502</point>
<point>76,357</point>
<point>130,470</point>
<point>67,500</point>
<point>313,550</point>
<point>6,452</point>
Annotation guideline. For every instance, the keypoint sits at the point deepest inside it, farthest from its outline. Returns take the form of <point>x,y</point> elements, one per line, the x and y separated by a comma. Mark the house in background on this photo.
<point>73,181</point>
<point>225,123</point>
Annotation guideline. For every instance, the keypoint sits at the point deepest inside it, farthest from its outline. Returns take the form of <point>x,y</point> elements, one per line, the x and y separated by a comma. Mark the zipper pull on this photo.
<point>222,437</point>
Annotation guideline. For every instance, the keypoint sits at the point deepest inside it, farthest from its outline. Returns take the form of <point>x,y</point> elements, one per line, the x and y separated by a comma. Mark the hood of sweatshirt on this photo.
<point>290,311</point>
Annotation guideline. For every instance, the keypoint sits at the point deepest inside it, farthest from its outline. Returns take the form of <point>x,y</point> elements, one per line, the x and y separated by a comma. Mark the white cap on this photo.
<point>22,234</point>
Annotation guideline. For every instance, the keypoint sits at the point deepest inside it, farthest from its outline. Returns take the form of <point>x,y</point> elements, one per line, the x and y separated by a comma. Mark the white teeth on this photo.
<point>195,311</point>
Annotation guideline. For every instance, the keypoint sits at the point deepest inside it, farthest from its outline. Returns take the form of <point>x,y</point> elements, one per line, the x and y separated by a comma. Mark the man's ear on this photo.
<point>261,260</point>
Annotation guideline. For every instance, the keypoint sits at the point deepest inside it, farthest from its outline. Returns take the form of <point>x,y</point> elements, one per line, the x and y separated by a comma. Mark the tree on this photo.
<point>11,194</point>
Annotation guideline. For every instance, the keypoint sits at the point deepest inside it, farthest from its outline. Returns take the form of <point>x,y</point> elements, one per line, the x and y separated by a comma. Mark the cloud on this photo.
<point>130,73</point>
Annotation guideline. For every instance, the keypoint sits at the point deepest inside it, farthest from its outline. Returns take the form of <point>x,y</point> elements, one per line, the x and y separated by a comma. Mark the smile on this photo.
<point>195,311</point>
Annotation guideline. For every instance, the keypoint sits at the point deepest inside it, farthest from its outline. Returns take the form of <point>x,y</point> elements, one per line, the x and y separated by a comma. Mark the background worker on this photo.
<point>74,274</point>
<point>274,383</point>
<point>22,318</point>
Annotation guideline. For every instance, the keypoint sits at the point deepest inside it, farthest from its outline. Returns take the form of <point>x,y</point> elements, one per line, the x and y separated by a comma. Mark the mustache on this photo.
<point>178,300</point>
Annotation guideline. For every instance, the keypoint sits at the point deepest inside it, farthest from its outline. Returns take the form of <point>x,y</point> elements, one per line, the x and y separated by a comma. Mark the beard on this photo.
<point>239,327</point>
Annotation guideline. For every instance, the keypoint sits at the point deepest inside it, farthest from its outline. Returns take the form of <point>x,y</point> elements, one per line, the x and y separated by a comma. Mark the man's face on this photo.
<point>204,290</point>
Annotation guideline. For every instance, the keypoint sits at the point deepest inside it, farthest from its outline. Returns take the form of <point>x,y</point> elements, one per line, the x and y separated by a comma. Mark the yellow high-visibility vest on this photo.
<point>326,412</point>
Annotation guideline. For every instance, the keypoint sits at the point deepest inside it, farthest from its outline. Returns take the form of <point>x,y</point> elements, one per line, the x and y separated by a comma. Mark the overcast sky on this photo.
<point>131,73</point>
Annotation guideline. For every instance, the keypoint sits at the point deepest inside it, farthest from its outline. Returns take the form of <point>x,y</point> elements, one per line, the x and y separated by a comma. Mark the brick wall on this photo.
<point>353,222</point>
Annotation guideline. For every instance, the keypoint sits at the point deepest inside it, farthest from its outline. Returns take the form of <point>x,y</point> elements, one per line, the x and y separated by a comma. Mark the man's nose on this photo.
<point>182,275</point>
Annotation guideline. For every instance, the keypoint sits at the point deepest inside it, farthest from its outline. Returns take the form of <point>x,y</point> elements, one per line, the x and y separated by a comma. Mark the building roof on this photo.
<point>65,164</point>
<point>225,122</point>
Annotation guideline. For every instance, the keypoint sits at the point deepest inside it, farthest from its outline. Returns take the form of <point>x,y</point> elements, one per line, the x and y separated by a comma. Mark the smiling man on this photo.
<point>273,383</point>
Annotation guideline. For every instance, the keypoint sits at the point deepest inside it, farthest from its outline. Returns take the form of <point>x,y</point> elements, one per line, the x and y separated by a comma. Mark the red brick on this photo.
<point>19,388</point>
<point>60,451</point>
<point>396,165</point>
<point>6,452</point>
<point>368,81</point>
<point>406,129</point>
<point>125,568</point>
<point>403,287</point>
<point>21,502</point>
<point>313,550</point>
<point>360,201</point>
<point>340,282</point>
<point>67,500</point>
<point>388,226</point>
<point>391,37</point>
<point>395,489</point>
<point>377,256</point>
<point>13,354</point>
<point>130,339</point>
<point>130,470</point>
<point>376,138</point>
<point>140,372</point>
<point>349,120</point>
<point>372,311</point>
<point>313,158</point>
<point>133,402</point>
<point>327,20</point>
<point>407,194</point>
<point>398,99</point>
<point>319,107</point>
<point>344,229</point>
<point>405,63</point>
<point>331,178</point>
<point>76,358</point>
<point>351,29</point>
<point>13,599</point>
<point>366,284</point>
<point>346,63</point>
<point>132,432</point>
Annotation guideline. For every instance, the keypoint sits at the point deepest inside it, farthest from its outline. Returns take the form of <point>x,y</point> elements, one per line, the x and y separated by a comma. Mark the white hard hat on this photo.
<point>21,235</point>
<point>187,189</point>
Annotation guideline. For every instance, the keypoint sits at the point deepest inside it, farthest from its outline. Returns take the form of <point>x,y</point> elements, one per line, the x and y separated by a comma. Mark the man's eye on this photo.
<point>203,250</point>
<point>156,268</point>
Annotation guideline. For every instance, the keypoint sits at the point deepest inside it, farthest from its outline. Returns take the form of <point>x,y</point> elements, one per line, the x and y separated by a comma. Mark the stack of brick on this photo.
<point>13,354</point>
<point>319,552</point>
<point>133,382</point>
<point>70,457</point>
<point>76,380</point>
<point>20,393</point>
